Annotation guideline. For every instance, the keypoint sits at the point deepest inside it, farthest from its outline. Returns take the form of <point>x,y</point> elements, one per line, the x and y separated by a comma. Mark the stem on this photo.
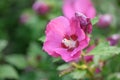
<point>66,71</point>
<point>83,67</point>
<point>78,66</point>
<point>88,69</point>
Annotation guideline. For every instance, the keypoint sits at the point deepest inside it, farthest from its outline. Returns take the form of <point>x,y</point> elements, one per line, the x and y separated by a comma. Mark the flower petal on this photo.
<point>91,12</point>
<point>66,56</point>
<point>52,41</point>
<point>83,6</point>
<point>55,31</point>
<point>82,44</point>
<point>59,24</point>
<point>68,8</point>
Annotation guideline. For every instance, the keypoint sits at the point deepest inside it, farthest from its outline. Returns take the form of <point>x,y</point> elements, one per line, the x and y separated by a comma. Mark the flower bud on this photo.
<point>88,50</point>
<point>114,39</point>
<point>40,8</point>
<point>105,20</point>
<point>97,70</point>
<point>84,21</point>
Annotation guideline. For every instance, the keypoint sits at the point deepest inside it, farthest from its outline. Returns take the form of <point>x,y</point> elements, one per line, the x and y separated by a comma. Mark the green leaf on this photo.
<point>56,60</point>
<point>34,51</point>
<point>18,61</point>
<point>78,74</point>
<point>94,20</point>
<point>3,44</point>
<point>104,49</point>
<point>96,60</point>
<point>34,75</point>
<point>28,76</point>
<point>114,76</point>
<point>42,39</point>
<point>67,77</point>
<point>63,67</point>
<point>7,71</point>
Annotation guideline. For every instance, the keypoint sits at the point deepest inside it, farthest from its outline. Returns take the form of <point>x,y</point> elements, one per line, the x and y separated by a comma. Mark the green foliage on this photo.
<point>78,74</point>
<point>63,67</point>
<point>17,60</point>
<point>35,50</point>
<point>67,77</point>
<point>34,75</point>
<point>42,39</point>
<point>3,44</point>
<point>114,76</point>
<point>94,20</point>
<point>56,59</point>
<point>105,49</point>
<point>7,71</point>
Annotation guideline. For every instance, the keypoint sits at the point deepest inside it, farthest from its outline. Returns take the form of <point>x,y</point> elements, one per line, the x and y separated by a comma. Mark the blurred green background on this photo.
<point>21,54</point>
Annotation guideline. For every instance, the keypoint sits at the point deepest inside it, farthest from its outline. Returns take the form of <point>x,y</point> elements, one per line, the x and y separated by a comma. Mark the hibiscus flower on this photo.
<point>65,39</point>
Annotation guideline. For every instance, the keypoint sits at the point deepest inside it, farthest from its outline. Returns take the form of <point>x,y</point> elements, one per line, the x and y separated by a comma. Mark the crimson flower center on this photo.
<point>70,42</point>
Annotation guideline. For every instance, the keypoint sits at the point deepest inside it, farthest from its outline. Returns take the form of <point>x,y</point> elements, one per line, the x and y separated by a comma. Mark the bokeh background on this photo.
<point>21,33</point>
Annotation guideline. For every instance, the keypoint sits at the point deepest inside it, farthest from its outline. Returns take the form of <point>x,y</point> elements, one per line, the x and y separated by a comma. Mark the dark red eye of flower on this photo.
<point>70,42</point>
<point>74,37</point>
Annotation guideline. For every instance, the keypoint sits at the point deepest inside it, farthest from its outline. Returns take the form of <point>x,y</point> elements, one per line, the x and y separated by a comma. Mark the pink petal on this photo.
<point>90,48</point>
<point>82,44</point>
<point>74,25</point>
<point>83,6</point>
<point>86,7</point>
<point>55,31</point>
<point>52,41</point>
<point>59,24</point>
<point>68,8</point>
<point>91,12</point>
<point>66,56</point>
<point>76,29</point>
<point>88,58</point>
<point>81,35</point>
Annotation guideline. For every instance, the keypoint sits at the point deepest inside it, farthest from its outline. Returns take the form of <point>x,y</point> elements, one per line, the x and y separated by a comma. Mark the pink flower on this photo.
<point>114,39</point>
<point>65,39</point>
<point>89,58</point>
<point>105,20</point>
<point>100,66</point>
<point>83,6</point>
<point>98,70</point>
<point>40,7</point>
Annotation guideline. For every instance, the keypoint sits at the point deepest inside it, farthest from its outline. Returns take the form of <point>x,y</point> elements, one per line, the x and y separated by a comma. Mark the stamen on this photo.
<point>70,42</point>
